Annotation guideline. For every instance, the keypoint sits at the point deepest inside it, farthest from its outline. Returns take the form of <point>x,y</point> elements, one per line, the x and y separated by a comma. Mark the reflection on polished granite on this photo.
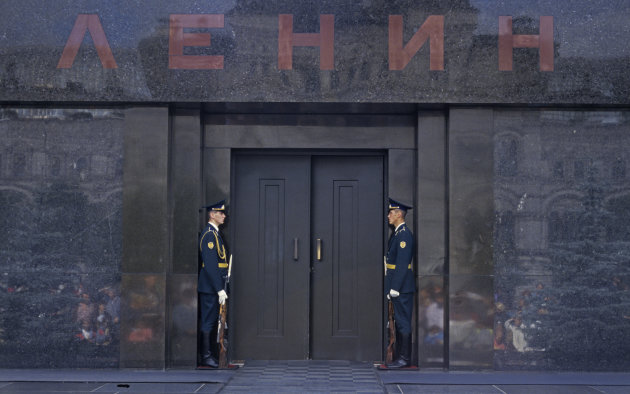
<point>60,237</point>
<point>143,326</point>
<point>470,322</point>
<point>561,240</point>
<point>586,59</point>
<point>431,334</point>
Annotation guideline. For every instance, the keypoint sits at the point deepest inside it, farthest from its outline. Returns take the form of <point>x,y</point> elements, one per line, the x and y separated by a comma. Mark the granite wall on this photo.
<point>521,220</point>
<point>536,269</point>
<point>561,239</point>
<point>60,237</point>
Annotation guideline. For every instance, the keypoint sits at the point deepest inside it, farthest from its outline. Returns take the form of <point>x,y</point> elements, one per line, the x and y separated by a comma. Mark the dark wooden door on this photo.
<point>270,213</point>
<point>291,300</point>
<point>347,263</point>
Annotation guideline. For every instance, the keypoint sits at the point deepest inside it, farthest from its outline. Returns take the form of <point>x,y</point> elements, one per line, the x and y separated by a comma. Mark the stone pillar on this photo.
<point>471,218</point>
<point>185,187</point>
<point>431,211</point>
<point>146,240</point>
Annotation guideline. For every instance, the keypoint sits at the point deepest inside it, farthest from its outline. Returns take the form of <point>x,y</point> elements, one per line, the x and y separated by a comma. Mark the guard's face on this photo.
<point>218,217</point>
<point>392,215</point>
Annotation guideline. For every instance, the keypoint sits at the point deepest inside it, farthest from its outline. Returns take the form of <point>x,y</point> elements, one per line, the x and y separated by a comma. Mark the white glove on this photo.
<point>393,293</point>
<point>222,297</point>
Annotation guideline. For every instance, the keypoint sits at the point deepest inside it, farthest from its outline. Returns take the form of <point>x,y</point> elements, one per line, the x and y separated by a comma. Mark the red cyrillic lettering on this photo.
<point>325,40</point>
<point>91,23</point>
<point>177,40</point>
<point>543,41</point>
<point>432,29</point>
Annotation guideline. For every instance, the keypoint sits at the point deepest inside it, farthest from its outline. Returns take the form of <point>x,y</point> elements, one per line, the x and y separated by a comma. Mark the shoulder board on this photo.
<point>201,239</point>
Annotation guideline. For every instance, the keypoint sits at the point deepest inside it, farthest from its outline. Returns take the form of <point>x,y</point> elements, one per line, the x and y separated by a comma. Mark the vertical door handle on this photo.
<point>295,249</point>
<point>319,249</point>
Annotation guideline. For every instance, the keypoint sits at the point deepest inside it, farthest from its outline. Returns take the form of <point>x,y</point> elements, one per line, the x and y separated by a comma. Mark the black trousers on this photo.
<point>403,308</point>
<point>209,308</point>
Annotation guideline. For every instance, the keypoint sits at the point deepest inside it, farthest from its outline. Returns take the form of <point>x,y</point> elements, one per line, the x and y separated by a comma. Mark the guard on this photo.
<point>212,272</point>
<point>399,280</point>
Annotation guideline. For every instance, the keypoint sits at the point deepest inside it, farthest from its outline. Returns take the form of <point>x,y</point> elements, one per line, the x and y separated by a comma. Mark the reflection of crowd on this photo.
<point>144,304</point>
<point>471,321</point>
<point>97,317</point>
<point>431,316</point>
<point>185,319</point>
<point>92,318</point>
<point>519,328</point>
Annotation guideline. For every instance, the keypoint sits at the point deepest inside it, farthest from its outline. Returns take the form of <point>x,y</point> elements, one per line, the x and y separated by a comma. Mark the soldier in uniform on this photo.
<point>210,285</point>
<point>399,280</point>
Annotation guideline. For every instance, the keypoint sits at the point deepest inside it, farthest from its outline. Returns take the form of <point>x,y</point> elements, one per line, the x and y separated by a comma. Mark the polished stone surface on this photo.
<point>470,211</point>
<point>471,316</point>
<point>143,326</point>
<point>182,320</point>
<point>400,170</point>
<point>561,239</point>
<point>145,193</point>
<point>146,256</point>
<point>136,52</point>
<point>312,131</point>
<point>431,310</point>
<point>431,192</point>
<point>216,186</point>
<point>186,168</point>
<point>60,237</point>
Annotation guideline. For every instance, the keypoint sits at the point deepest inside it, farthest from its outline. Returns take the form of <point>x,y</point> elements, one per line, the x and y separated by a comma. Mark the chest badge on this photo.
<point>211,245</point>
<point>403,244</point>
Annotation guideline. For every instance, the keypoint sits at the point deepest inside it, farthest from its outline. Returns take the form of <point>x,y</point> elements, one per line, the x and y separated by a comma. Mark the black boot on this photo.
<point>206,355</point>
<point>404,357</point>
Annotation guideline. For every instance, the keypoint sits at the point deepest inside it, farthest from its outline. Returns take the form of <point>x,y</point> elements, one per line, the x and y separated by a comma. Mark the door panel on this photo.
<point>270,288</point>
<point>296,306</point>
<point>347,280</point>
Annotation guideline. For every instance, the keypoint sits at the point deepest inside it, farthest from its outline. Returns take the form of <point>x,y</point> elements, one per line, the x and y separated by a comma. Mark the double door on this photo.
<point>308,247</point>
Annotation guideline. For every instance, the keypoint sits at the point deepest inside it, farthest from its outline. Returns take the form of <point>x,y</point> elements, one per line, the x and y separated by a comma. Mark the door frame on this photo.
<point>392,135</point>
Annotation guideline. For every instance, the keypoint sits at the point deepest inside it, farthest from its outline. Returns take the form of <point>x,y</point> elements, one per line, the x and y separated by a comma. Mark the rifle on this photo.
<point>221,337</point>
<point>390,325</point>
<point>392,332</point>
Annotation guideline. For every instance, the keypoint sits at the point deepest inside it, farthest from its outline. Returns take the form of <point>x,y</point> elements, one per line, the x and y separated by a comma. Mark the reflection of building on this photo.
<point>539,168</point>
<point>560,182</point>
<point>60,187</point>
<point>48,155</point>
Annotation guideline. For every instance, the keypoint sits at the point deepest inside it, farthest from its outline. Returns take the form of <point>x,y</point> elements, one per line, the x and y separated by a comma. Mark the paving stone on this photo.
<point>305,376</point>
<point>150,388</point>
<point>548,389</point>
<point>49,387</point>
<point>439,389</point>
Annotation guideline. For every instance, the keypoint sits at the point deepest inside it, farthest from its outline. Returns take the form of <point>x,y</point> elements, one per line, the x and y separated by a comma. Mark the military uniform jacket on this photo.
<point>214,264</point>
<point>399,254</point>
